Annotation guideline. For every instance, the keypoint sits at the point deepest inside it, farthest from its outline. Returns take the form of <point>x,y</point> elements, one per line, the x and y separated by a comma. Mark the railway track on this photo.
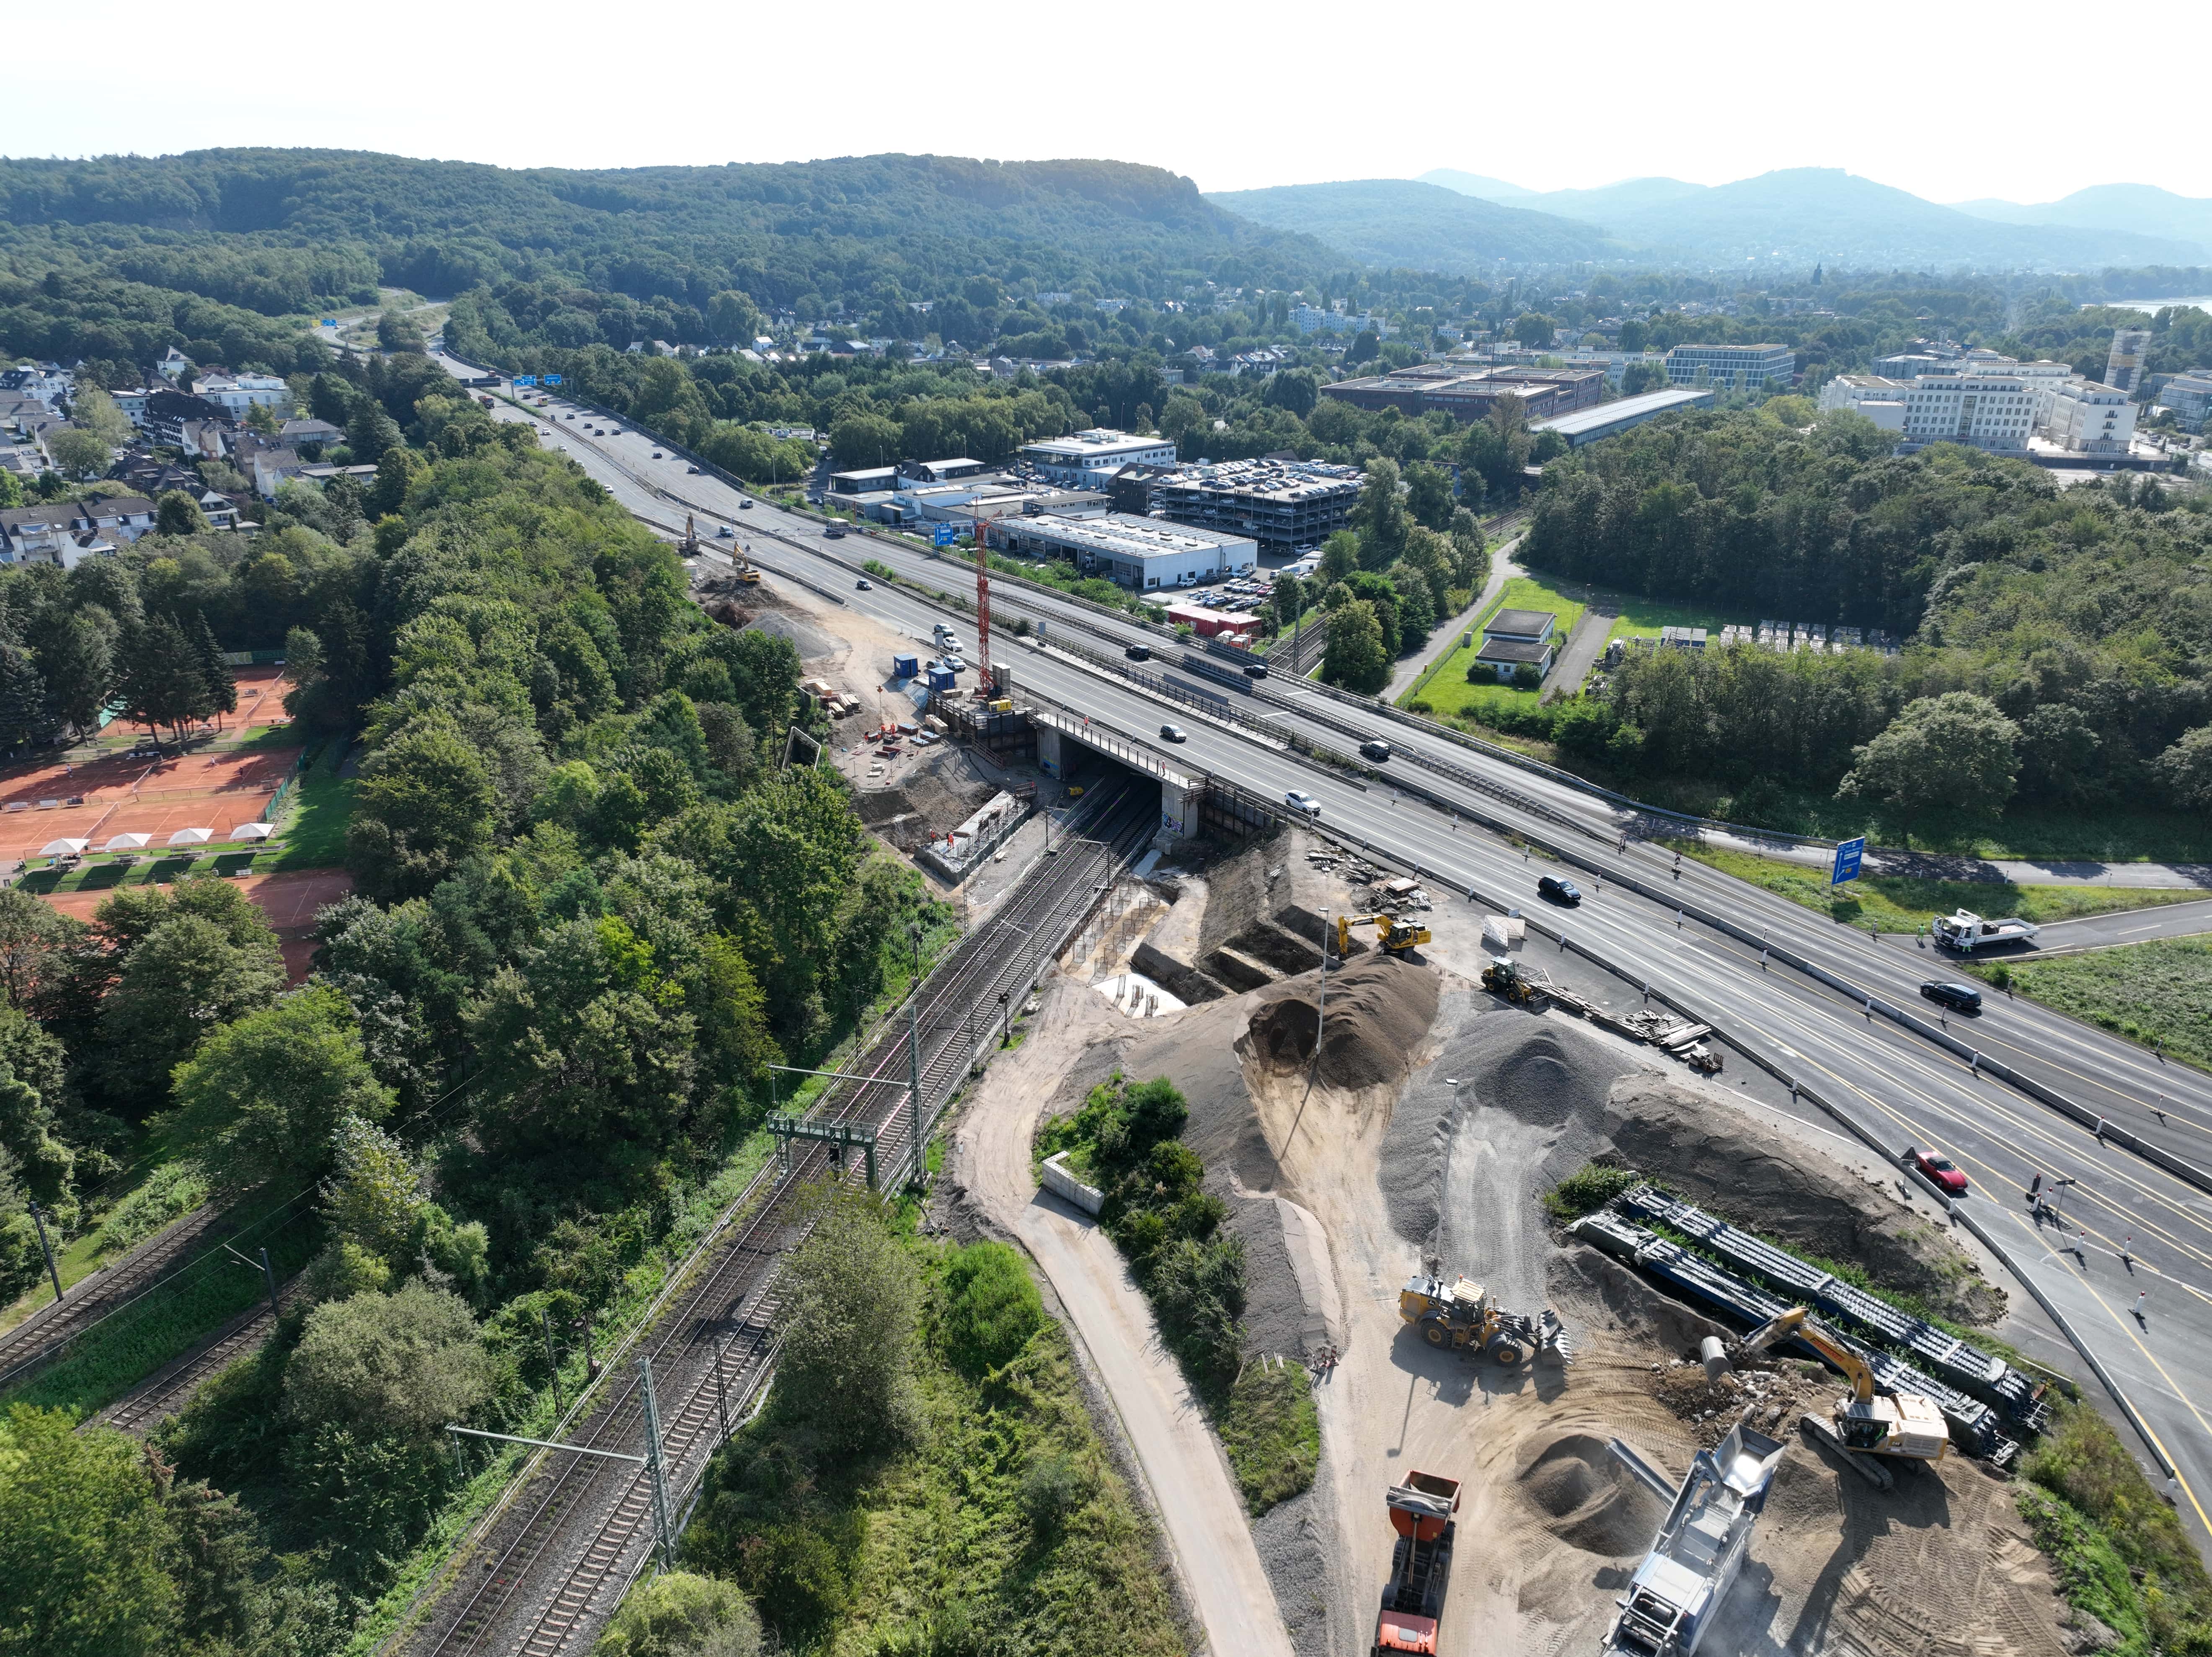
<point>170,1388</point>
<point>552,1563</point>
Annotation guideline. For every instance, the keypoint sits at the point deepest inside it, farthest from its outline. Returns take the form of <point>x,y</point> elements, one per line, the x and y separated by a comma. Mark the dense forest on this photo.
<point>2059,642</point>
<point>591,908</point>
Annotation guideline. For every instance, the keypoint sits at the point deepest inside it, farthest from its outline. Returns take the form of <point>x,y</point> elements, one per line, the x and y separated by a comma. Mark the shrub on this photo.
<point>1052,1488</point>
<point>1587,1189</point>
<point>683,1614</point>
<point>992,1308</point>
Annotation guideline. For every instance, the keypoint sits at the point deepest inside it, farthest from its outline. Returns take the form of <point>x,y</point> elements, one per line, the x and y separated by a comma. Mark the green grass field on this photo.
<point>317,815</point>
<point>1645,618</point>
<point>1897,904</point>
<point>2159,993</point>
<point>1445,687</point>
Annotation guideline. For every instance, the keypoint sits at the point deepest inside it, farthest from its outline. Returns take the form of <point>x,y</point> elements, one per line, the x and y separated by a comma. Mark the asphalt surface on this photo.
<point>1906,1088</point>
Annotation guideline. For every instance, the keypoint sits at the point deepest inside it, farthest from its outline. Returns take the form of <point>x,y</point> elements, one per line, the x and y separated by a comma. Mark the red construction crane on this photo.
<point>986,686</point>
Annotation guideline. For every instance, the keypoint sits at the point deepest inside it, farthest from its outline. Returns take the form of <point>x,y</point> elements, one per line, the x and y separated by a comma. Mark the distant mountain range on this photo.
<point>1802,215</point>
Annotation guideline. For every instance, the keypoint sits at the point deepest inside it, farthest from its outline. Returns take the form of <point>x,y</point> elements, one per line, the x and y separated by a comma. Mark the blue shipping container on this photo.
<point>940,679</point>
<point>906,667</point>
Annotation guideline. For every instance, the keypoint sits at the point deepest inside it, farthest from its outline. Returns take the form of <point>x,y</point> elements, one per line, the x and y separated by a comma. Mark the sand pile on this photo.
<point>1379,1009</point>
<point>1588,1500</point>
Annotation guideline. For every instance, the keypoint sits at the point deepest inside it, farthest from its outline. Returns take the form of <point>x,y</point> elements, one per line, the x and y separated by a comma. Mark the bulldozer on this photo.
<point>1904,1427</point>
<point>1464,1316</point>
<point>1398,937</point>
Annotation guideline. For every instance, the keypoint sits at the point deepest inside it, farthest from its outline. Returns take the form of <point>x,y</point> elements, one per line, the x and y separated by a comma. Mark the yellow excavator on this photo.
<point>1398,937</point>
<point>1900,1426</point>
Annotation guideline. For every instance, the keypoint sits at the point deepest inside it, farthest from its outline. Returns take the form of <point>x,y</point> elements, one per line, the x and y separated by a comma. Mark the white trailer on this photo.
<point>1966,931</point>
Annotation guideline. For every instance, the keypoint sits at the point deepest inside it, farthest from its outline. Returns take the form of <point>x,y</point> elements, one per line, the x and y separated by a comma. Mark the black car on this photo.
<point>863,586</point>
<point>1255,669</point>
<point>1372,750</point>
<point>1960,997</point>
<point>1173,733</point>
<point>1138,653</point>
<point>1554,889</point>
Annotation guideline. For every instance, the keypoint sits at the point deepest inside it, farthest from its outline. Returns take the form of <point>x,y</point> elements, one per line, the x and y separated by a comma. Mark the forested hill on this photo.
<point>274,230</point>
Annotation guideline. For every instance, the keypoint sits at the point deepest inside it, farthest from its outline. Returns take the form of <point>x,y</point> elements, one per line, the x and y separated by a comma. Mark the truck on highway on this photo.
<point>1966,931</point>
<point>1421,1512</point>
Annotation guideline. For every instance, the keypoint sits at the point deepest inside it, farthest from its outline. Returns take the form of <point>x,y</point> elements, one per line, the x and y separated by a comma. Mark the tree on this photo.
<point>185,980</point>
<point>95,411</point>
<point>79,454</point>
<point>372,435</point>
<point>1380,519</point>
<point>1534,329</point>
<point>163,680</point>
<point>2185,769</point>
<point>214,672</point>
<point>851,1308</point>
<point>398,332</point>
<point>1639,377</point>
<point>1429,495</point>
<point>865,438</point>
<point>32,935</point>
<point>1366,346</point>
<point>397,1366</point>
<point>425,802</point>
<point>178,514</point>
<point>263,1096</point>
<point>1355,658</point>
<point>1956,750</point>
<point>680,1614</point>
<point>734,317</point>
<point>1634,332</point>
<point>87,1552</point>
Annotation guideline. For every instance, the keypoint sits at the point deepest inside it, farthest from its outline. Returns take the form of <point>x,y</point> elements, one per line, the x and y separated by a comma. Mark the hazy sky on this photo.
<point>1235,96</point>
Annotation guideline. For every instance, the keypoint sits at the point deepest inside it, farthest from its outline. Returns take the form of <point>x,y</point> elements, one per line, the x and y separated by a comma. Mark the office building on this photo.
<point>1991,412</point>
<point>2087,418</point>
<point>1286,506</point>
<point>2189,397</point>
<point>1087,460</point>
<point>1144,554</point>
<point>2124,367</point>
<point>1736,367</point>
<point>1879,399</point>
<point>1470,395</point>
<point>1589,425</point>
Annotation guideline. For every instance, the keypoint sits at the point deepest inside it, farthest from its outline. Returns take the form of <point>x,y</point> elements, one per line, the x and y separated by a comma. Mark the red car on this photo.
<point>1939,1170</point>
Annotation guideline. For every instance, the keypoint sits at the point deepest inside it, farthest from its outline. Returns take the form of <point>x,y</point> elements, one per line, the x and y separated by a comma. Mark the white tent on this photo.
<point>192,837</point>
<point>63,848</point>
<point>253,831</point>
<point>126,842</point>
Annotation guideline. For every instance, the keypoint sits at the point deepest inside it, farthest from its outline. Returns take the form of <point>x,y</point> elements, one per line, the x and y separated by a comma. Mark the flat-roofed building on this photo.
<point>1767,367</point>
<point>1087,460</point>
<point>1146,553</point>
<point>2087,418</point>
<point>1515,639</point>
<point>1589,425</point>
<point>1286,506</point>
<point>2189,397</point>
<point>868,480</point>
<point>1470,394</point>
<point>1992,411</point>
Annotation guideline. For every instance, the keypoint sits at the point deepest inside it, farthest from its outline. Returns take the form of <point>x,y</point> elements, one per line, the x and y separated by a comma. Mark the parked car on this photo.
<point>1554,889</point>
<point>1173,733</point>
<point>1939,1170</point>
<point>1138,653</point>
<point>1373,749</point>
<point>1305,803</point>
<point>1960,997</point>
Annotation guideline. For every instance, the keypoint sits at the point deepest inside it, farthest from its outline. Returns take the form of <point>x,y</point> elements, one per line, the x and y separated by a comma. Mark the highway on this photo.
<point>1906,1088</point>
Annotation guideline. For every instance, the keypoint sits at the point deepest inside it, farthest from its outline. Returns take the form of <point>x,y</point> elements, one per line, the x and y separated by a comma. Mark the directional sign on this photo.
<point>330,322</point>
<point>552,380</point>
<point>945,535</point>
<point>1849,856</point>
<point>525,379</point>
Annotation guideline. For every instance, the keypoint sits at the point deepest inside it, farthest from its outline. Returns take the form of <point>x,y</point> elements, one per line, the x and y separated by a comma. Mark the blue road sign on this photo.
<point>1849,855</point>
<point>552,380</point>
<point>946,534</point>
<point>525,379</point>
<point>330,322</point>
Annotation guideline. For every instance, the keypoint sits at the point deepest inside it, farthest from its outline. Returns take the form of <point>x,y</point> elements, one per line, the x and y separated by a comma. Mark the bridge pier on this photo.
<point>1048,759</point>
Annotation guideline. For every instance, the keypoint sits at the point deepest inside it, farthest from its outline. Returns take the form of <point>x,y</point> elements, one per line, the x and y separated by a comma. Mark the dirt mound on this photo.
<point>1588,1500</point>
<point>1728,1162</point>
<point>809,640</point>
<point>1379,1010</point>
<point>1594,1290</point>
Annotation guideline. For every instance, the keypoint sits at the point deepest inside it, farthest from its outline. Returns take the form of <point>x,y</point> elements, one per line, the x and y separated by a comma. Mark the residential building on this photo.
<point>173,365</point>
<point>1514,639</point>
<point>1880,400</point>
<point>47,382</point>
<point>236,393</point>
<point>941,471</point>
<point>119,518</point>
<point>132,404</point>
<point>1087,460</point>
<point>1141,553</point>
<point>1991,412</point>
<point>1589,425</point>
<point>296,432</point>
<point>2123,366</point>
<point>1737,368</point>
<point>67,533</point>
<point>269,468</point>
<point>2189,397</point>
<point>2087,418</point>
<point>1313,320</point>
<point>1286,506</point>
<point>167,414</point>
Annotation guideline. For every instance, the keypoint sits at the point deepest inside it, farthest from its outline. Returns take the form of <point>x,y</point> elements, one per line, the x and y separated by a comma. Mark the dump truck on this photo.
<point>1673,1597</point>
<point>1399,938</point>
<point>1966,931</point>
<point>1903,1427</point>
<point>1464,1316</point>
<point>1421,1512</point>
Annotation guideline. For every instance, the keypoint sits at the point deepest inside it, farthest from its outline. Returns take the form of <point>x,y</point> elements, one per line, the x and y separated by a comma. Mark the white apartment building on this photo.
<point>2089,418</point>
<point>235,394</point>
<point>1087,459</point>
<point>1313,320</point>
<point>2189,397</point>
<point>1985,410</point>
<point>1882,401</point>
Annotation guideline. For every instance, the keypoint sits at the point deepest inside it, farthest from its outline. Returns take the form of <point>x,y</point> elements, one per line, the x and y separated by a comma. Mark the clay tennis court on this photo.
<point>289,900</point>
<point>260,704</point>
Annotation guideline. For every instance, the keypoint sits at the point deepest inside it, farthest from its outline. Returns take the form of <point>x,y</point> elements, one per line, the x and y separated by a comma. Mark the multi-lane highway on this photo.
<point>1906,1088</point>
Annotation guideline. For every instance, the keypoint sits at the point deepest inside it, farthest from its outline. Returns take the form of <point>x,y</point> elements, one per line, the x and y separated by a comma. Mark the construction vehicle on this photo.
<point>1399,938</point>
<point>1900,1426</point>
<point>743,559</point>
<point>1504,976</point>
<point>1464,1316</point>
<point>689,546</point>
<point>1532,987</point>
<point>1421,1512</point>
<point>1674,1596</point>
<point>1966,931</point>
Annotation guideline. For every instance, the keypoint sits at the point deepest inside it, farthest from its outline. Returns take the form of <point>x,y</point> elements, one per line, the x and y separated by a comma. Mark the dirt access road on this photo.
<point>1190,1485</point>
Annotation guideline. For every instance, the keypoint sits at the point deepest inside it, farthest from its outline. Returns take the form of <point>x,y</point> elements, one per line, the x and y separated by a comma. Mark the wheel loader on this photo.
<point>1464,1316</point>
<point>1507,977</point>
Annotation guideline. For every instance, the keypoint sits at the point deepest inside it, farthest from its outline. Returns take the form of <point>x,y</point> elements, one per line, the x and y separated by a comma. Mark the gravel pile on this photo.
<point>809,640</point>
<point>1379,1011</point>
